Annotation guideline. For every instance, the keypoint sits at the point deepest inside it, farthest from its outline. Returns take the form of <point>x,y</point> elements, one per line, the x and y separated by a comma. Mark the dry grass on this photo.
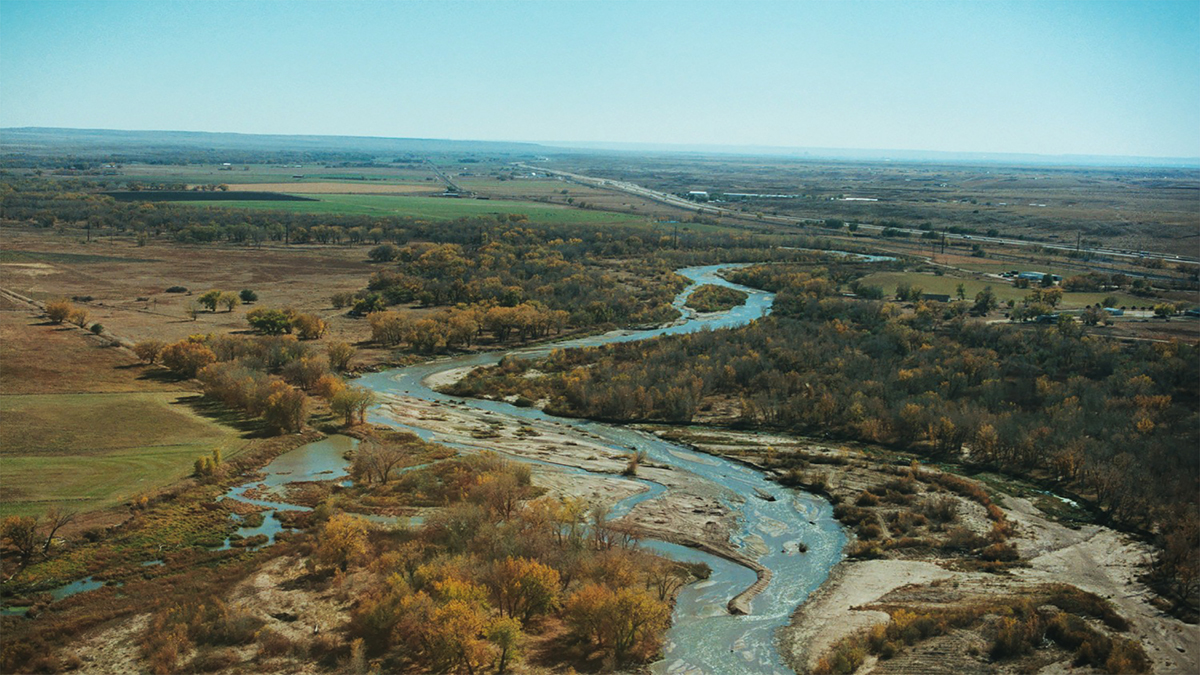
<point>117,273</point>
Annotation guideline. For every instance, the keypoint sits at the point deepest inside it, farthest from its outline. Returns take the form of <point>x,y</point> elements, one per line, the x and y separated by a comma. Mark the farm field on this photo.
<point>116,273</point>
<point>91,451</point>
<point>82,428</point>
<point>1145,209</point>
<point>262,173</point>
<point>436,208</point>
<point>340,187</point>
<point>947,285</point>
<point>562,192</point>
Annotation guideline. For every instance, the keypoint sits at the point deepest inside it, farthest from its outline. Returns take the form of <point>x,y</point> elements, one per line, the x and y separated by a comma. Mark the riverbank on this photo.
<point>925,575</point>
<point>688,511</point>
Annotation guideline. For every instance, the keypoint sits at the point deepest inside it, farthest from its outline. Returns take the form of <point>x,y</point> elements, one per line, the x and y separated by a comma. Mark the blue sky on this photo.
<point>1110,78</point>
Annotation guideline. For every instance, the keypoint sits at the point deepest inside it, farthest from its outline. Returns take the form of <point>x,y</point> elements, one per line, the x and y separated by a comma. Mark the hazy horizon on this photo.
<point>1058,79</point>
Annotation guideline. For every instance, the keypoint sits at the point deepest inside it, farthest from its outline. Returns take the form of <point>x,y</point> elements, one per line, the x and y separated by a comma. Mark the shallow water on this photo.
<point>320,460</point>
<point>704,637</point>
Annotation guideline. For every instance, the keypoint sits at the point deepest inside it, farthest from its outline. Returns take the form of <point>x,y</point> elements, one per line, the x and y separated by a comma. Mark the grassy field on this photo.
<point>344,187</point>
<point>83,428</point>
<point>946,285</point>
<point>433,208</point>
<point>264,173</point>
<point>89,451</point>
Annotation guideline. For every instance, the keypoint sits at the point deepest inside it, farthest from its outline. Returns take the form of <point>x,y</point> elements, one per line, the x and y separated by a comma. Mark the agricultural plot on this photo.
<point>89,451</point>
<point>947,285</point>
<point>82,430</point>
<point>434,208</point>
<point>262,173</point>
<point>348,187</point>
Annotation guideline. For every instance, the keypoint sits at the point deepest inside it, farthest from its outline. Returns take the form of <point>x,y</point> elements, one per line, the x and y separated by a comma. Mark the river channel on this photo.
<point>774,523</point>
<point>704,637</point>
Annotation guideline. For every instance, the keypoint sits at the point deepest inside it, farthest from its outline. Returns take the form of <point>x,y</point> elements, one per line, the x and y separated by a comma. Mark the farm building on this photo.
<point>1113,311</point>
<point>935,297</point>
<point>1038,276</point>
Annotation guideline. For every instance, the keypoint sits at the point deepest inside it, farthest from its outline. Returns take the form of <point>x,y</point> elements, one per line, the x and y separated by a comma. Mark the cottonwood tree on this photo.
<point>340,354</point>
<point>505,634</point>
<point>343,540</point>
<point>270,321</point>
<point>309,326</point>
<point>59,310</point>
<point>56,519</point>
<point>665,578</point>
<point>286,408</point>
<point>186,358</point>
<point>79,317</point>
<point>229,301</point>
<point>454,636</point>
<point>148,350</point>
<point>21,533</point>
<point>624,623</point>
<point>352,403</point>
<point>522,588</point>
<point>375,460</point>
<point>210,299</point>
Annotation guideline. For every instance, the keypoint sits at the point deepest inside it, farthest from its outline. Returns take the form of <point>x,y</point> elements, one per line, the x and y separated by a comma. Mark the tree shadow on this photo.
<point>159,375</point>
<point>221,414</point>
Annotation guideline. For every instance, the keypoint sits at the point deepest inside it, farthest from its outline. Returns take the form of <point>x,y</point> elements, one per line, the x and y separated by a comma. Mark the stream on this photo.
<point>704,637</point>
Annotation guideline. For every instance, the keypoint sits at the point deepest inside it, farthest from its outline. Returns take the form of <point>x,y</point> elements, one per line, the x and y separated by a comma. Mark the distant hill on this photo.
<point>108,142</point>
<point>876,155</point>
<point>115,145</point>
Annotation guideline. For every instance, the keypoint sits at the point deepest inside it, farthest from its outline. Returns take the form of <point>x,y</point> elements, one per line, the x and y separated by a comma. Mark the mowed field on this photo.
<point>431,208</point>
<point>83,427</point>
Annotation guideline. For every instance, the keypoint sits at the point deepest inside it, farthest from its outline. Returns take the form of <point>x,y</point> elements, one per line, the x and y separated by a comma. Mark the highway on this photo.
<point>710,209</point>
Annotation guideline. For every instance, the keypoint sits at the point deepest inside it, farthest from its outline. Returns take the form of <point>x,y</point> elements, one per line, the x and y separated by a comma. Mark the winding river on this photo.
<point>773,523</point>
<point>704,637</point>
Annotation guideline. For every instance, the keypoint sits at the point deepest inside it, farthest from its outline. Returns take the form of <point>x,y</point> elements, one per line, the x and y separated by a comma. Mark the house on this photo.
<point>935,297</point>
<point>1114,311</point>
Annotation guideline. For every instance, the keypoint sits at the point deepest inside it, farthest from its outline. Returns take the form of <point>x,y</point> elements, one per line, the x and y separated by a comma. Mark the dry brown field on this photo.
<point>127,283</point>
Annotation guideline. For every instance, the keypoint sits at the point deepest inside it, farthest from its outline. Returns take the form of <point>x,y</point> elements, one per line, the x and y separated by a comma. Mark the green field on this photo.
<point>432,208</point>
<point>261,173</point>
<point>946,285</point>
<point>89,451</point>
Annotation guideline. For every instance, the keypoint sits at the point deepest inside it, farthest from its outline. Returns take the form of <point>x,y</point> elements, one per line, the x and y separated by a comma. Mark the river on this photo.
<point>704,637</point>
